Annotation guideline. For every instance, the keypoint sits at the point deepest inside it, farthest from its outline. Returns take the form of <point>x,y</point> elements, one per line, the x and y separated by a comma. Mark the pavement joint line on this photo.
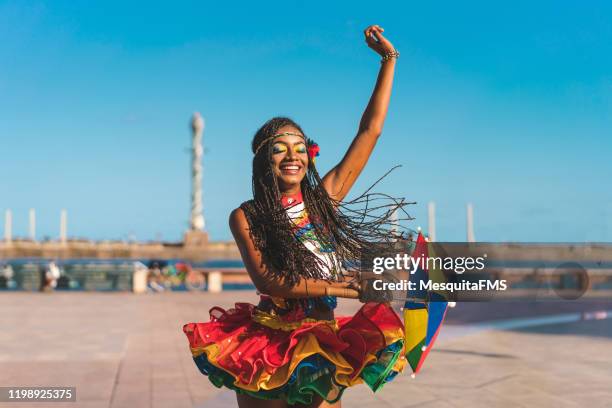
<point>495,380</point>
<point>118,373</point>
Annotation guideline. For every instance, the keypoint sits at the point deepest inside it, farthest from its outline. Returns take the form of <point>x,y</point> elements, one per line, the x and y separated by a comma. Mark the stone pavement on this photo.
<point>126,350</point>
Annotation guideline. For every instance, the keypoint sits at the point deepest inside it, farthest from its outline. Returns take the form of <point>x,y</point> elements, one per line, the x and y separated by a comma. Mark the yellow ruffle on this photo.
<point>277,323</point>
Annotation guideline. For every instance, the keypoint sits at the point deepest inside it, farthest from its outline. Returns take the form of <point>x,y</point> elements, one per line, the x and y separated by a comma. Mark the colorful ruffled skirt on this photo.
<point>296,358</point>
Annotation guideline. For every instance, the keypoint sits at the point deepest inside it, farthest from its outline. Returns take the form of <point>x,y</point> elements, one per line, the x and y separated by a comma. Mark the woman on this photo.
<point>289,349</point>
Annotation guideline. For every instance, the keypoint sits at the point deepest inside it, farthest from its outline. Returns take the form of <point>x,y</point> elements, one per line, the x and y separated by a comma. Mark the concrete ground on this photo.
<point>126,350</point>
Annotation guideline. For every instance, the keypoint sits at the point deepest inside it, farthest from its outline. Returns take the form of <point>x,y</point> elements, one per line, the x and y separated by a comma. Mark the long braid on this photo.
<point>351,228</point>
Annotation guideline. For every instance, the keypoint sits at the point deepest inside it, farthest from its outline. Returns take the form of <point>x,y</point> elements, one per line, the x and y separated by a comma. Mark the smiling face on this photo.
<point>289,160</point>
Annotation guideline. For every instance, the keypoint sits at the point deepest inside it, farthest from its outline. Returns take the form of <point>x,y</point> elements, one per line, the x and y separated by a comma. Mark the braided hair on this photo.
<point>350,231</point>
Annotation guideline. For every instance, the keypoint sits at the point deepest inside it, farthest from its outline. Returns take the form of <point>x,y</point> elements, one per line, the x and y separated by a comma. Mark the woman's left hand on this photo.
<point>376,41</point>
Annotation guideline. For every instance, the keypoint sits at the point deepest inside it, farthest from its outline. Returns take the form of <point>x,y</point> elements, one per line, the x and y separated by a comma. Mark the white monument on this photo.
<point>196,235</point>
<point>394,223</point>
<point>63,227</point>
<point>8,226</point>
<point>470,223</point>
<point>431,212</point>
<point>197,218</point>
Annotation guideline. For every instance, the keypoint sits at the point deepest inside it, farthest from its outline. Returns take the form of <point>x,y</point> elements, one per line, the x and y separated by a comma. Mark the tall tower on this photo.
<point>195,237</point>
<point>197,218</point>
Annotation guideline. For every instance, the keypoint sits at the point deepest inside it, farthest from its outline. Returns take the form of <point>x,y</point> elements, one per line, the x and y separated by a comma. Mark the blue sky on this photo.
<point>505,106</point>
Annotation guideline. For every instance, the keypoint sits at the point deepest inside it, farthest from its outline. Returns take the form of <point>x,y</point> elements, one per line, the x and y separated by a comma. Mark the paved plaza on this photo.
<point>126,350</point>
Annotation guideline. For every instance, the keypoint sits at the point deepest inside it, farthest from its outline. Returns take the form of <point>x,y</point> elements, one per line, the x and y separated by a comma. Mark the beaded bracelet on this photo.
<point>390,54</point>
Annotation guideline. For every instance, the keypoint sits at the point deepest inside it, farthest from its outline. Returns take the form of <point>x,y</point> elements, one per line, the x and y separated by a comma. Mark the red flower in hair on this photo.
<point>313,151</point>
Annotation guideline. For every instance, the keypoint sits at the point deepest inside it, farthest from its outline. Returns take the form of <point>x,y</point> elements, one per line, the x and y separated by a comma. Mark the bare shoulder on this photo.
<point>237,220</point>
<point>237,215</point>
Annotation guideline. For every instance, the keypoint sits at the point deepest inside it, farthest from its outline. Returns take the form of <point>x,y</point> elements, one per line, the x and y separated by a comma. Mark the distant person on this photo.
<point>156,277</point>
<point>7,272</point>
<point>295,240</point>
<point>52,274</point>
<point>6,277</point>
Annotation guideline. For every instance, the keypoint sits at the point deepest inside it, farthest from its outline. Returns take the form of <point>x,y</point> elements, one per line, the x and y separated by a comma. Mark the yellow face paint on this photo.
<point>282,148</point>
<point>279,148</point>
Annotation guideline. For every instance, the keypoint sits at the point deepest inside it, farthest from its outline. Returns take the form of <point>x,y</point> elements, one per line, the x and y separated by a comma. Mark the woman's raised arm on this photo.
<point>341,178</point>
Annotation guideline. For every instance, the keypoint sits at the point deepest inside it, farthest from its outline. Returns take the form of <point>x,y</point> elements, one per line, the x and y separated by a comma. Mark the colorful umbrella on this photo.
<point>423,320</point>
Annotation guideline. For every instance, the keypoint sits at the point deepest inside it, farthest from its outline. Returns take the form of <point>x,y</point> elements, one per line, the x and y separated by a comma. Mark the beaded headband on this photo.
<point>263,142</point>
<point>313,148</point>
